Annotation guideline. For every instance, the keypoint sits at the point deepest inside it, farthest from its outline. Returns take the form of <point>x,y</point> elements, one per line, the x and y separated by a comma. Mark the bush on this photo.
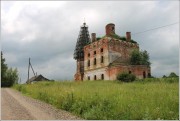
<point>98,38</point>
<point>126,77</point>
<point>133,41</point>
<point>123,38</point>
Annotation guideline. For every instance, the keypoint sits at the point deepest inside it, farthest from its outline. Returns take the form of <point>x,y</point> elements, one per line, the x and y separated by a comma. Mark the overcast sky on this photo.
<point>47,33</point>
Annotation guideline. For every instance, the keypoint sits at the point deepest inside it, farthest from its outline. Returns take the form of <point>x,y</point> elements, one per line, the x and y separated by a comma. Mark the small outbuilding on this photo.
<point>36,79</point>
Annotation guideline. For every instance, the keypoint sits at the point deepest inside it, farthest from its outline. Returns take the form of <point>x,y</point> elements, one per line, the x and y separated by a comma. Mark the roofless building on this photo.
<point>104,58</point>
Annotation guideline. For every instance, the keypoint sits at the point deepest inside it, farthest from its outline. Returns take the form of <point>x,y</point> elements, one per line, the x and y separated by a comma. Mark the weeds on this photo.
<point>149,99</point>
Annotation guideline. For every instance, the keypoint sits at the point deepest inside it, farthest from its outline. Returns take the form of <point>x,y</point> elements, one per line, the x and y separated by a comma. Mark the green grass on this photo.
<point>144,99</point>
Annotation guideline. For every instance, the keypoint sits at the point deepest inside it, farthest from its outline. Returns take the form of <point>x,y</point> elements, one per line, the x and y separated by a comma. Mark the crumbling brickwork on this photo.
<point>105,58</point>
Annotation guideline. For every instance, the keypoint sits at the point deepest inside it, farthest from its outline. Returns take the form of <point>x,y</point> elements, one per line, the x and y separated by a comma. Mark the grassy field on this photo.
<point>143,99</point>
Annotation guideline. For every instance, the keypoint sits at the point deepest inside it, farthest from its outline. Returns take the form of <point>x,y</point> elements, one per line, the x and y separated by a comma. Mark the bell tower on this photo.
<point>83,40</point>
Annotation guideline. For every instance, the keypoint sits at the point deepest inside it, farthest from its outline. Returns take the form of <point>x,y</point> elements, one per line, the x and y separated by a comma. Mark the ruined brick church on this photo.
<point>104,58</point>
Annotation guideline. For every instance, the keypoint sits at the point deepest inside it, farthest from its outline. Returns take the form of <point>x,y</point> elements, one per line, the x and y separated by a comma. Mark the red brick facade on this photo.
<point>105,58</point>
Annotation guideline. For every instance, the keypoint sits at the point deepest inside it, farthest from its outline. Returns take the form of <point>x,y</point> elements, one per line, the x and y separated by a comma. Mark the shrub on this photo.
<point>133,41</point>
<point>98,38</point>
<point>126,77</point>
<point>123,38</point>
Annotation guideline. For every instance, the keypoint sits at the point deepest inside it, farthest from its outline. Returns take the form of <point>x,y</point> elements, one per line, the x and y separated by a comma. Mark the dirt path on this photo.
<point>15,106</point>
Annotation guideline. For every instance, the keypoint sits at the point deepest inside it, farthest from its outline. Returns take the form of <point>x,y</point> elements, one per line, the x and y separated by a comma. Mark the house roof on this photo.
<point>37,78</point>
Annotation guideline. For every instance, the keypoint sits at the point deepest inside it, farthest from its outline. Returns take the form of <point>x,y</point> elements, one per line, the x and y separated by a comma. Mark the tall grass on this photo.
<point>143,99</point>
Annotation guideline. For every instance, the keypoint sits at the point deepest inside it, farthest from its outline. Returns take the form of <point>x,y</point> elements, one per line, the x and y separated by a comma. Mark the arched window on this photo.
<point>94,52</point>
<point>102,59</point>
<point>88,63</point>
<point>94,61</point>
<point>101,50</point>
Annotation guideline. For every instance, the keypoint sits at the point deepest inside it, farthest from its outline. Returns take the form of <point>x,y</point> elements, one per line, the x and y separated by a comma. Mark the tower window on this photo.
<point>94,61</point>
<point>102,50</point>
<point>102,76</point>
<point>88,63</point>
<point>94,77</point>
<point>129,72</point>
<point>102,59</point>
<point>88,54</point>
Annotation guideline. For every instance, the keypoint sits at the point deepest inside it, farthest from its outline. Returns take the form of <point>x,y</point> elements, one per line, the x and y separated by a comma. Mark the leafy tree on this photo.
<point>12,76</point>
<point>145,58</point>
<point>135,58</point>
<point>172,74</point>
<point>4,67</point>
<point>126,77</point>
<point>8,75</point>
<point>139,58</point>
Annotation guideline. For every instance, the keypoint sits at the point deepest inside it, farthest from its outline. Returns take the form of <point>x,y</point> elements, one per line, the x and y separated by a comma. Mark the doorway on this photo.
<point>144,74</point>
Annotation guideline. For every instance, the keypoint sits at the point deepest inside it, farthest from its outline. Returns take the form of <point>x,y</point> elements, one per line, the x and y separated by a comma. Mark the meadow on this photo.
<point>147,99</point>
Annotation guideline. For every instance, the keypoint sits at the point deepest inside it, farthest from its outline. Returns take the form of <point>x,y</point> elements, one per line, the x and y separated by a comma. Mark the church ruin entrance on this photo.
<point>102,76</point>
<point>94,77</point>
<point>144,74</point>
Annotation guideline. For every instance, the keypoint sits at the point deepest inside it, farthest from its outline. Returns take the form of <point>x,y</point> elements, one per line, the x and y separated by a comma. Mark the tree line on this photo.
<point>9,76</point>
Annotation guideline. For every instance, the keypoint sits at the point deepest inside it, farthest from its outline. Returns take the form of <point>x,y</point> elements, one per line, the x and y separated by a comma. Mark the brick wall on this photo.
<point>105,58</point>
<point>112,50</point>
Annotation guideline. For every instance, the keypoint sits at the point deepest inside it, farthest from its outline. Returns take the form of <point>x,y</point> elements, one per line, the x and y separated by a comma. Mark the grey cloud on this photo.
<point>50,34</point>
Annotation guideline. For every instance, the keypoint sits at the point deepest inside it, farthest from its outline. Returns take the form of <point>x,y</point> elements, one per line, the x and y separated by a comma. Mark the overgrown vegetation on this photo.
<point>140,100</point>
<point>98,38</point>
<point>140,58</point>
<point>117,37</point>
<point>9,76</point>
<point>126,77</point>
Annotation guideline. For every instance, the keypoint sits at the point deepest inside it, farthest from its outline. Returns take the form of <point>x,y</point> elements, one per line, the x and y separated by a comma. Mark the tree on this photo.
<point>4,67</point>
<point>139,58</point>
<point>8,75</point>
<point>145,58</point>
<point>135,58</point>
<point>172,74</point>
<point>12,77</point>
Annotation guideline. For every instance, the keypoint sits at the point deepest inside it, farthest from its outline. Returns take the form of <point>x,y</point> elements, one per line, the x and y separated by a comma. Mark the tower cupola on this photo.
<point>83,39</point>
